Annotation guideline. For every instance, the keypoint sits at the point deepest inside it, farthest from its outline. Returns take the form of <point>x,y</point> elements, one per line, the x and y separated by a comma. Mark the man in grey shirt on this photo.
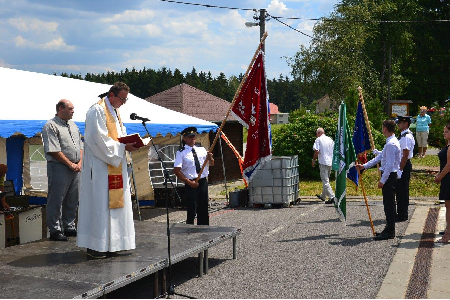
<point>64,151</point>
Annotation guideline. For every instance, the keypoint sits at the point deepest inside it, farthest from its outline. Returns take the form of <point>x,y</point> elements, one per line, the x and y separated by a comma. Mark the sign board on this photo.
<point>399,109</point>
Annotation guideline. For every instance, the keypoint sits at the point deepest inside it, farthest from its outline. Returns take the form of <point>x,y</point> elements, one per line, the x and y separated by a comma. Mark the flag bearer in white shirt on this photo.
<point>390,164</point>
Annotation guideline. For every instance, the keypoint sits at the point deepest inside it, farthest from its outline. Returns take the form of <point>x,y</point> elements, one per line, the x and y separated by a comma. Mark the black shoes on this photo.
<point>399,218</point>
<point>330,200</point>
<point>320,197</point>
<point>384,235</point>
<point>70,232</point>
<point>58,236</point>
<point>96,254</point>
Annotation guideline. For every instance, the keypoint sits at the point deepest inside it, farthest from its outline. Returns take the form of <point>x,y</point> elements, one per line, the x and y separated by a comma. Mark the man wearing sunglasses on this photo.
<point>105,217</point>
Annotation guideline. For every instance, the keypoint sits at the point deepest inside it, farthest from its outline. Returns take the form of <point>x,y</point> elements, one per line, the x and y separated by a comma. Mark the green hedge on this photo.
<point>297,138</point>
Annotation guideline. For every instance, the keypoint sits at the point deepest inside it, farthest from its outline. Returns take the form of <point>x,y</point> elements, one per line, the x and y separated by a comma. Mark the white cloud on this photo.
<point>186,26</point>
<point>33,25</point>
<point>277,8</point>
<point>306,26</point>
<point>131,16</point>
<point>55,44</point>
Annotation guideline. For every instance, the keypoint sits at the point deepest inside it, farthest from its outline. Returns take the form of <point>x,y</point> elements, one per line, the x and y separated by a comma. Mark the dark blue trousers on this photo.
<point>197,203</point>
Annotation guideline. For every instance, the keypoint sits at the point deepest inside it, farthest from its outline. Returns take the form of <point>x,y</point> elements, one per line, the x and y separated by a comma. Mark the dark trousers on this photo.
<point>402,191</point>
<point>197,203</point>
<point>389,201</point>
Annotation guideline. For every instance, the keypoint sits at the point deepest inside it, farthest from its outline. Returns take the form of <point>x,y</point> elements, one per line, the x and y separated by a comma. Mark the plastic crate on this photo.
<point>276,182</point>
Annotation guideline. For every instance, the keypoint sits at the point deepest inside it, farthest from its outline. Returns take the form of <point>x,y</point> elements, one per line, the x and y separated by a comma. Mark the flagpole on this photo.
<point>367,203</point>
<point>232,103</point>
<point>372,146</point>
<point>366,118</point>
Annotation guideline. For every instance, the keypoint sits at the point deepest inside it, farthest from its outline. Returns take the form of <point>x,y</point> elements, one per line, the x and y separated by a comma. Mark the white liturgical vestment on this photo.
<point>100,228</point>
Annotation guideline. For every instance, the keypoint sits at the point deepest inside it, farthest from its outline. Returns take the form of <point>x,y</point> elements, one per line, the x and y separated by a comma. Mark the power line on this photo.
<point>362,21</point>
<point>207,5</point>
<point>276,18</point>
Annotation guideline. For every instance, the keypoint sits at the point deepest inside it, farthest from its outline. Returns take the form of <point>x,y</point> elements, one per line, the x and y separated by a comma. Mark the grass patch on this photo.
<point>421,185</point>
<point>427,161</point>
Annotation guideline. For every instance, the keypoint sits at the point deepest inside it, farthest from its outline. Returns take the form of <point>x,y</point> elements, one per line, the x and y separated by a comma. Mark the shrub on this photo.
<point>297,138</point>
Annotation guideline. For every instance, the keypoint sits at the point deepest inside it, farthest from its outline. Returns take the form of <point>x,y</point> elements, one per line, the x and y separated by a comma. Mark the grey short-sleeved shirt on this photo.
<point>60,135</point>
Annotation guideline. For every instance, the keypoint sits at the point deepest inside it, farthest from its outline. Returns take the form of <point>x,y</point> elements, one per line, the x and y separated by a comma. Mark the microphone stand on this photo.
<point>171,289</point>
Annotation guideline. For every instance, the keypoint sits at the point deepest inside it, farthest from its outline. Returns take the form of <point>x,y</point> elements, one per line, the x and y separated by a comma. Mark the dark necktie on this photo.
<point>197,163</point>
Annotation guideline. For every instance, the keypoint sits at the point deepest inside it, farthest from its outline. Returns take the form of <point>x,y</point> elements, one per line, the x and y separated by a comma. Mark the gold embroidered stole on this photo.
<point>115,178</point>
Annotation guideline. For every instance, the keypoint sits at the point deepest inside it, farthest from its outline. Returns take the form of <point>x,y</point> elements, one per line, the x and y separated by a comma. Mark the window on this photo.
<point>38,168</point>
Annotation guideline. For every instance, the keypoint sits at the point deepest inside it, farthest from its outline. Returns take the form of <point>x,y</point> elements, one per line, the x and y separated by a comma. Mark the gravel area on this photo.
<point>303,251</point>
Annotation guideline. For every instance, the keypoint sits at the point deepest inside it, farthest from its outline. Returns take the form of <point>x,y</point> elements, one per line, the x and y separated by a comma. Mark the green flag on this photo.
<point>343,158</point>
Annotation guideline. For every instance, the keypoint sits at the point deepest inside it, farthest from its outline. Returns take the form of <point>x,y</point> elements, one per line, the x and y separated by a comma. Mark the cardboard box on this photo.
<point>29,226</point>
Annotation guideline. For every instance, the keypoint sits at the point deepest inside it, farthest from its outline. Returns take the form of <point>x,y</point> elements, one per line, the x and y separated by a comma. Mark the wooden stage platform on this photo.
<point>47,269</point>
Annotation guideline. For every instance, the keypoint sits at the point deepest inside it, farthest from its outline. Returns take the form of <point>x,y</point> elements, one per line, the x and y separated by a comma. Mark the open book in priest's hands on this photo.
<point>134,138</point>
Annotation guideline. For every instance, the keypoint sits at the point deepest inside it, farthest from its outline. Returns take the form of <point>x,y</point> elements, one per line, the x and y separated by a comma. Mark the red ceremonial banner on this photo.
<point>252,110</point>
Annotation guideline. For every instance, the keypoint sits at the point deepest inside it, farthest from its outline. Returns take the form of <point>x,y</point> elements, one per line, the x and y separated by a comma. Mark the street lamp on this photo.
<point>261,24</point>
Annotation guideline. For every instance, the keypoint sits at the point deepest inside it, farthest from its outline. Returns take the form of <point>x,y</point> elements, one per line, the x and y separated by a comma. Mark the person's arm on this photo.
<point>372,162</point>
<point>445,170</point>
<point>80,163</point>
<point>315,156</point>
<point>389,165</point>
<point>405,156</point>
<point>59,156</point>
<point>180,175</point>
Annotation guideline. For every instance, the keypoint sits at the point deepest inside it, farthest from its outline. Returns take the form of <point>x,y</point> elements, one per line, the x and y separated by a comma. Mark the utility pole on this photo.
<point>262,27</point>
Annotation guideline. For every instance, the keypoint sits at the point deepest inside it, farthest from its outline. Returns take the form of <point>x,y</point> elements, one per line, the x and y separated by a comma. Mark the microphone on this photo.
<point>134,116</point>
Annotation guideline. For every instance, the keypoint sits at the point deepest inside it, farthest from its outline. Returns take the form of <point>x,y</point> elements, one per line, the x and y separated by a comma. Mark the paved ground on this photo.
<point>305,251</point>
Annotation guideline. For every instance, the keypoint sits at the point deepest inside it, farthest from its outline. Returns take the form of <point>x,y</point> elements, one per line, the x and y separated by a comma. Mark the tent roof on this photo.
<point>29,100</point>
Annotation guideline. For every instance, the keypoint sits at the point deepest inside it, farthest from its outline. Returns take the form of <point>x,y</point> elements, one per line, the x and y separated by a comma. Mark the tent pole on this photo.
<point>135,190</point>
<point>224,175</point>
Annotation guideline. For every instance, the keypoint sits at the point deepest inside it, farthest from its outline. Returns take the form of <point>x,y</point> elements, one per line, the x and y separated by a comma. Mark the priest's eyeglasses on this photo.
<point>124,100</point>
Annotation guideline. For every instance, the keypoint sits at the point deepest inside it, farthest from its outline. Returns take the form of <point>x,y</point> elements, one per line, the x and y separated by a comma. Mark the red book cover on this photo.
<point>132,138</point>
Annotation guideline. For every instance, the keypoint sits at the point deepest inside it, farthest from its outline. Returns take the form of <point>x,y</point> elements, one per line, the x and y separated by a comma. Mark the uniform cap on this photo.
<point>189,131</point>
<point>404,119</point>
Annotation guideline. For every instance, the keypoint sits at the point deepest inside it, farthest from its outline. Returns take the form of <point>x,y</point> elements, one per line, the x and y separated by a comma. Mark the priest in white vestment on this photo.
<point>105,216</point>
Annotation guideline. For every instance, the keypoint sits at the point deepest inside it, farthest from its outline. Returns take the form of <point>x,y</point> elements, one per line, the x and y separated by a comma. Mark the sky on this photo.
<point>97,36</point>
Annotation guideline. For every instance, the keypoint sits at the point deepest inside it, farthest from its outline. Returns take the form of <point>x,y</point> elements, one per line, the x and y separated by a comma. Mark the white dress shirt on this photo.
<point>184,159</point>
<point>324,145</point>
<point>407,142</point>
<point>389,158</point>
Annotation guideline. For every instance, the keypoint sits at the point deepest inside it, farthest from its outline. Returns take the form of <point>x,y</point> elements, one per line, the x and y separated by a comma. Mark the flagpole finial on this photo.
<point>359,88</point>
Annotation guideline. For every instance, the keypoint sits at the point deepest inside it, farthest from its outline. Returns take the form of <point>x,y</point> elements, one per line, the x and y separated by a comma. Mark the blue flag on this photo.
<point>361,142</point>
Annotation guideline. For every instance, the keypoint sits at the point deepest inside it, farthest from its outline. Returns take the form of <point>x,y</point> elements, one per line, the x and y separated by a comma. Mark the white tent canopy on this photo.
<point>29,99</point>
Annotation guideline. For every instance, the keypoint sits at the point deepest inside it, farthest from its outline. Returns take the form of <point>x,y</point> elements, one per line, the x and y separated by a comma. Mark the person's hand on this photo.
<point>313,163</point>
<point>130,147</point>
<point>5,205</point>
<point>380,185</point>
<point>209,156</point>
<point>359,167</point>
<point>79,164</point>
<point>437,179</point>
<point>193,184</point>
<point>74,167</point>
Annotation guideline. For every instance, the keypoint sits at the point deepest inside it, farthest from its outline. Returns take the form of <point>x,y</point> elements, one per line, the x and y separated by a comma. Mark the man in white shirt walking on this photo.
<point>390,164</point>
<point>323,150</point>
